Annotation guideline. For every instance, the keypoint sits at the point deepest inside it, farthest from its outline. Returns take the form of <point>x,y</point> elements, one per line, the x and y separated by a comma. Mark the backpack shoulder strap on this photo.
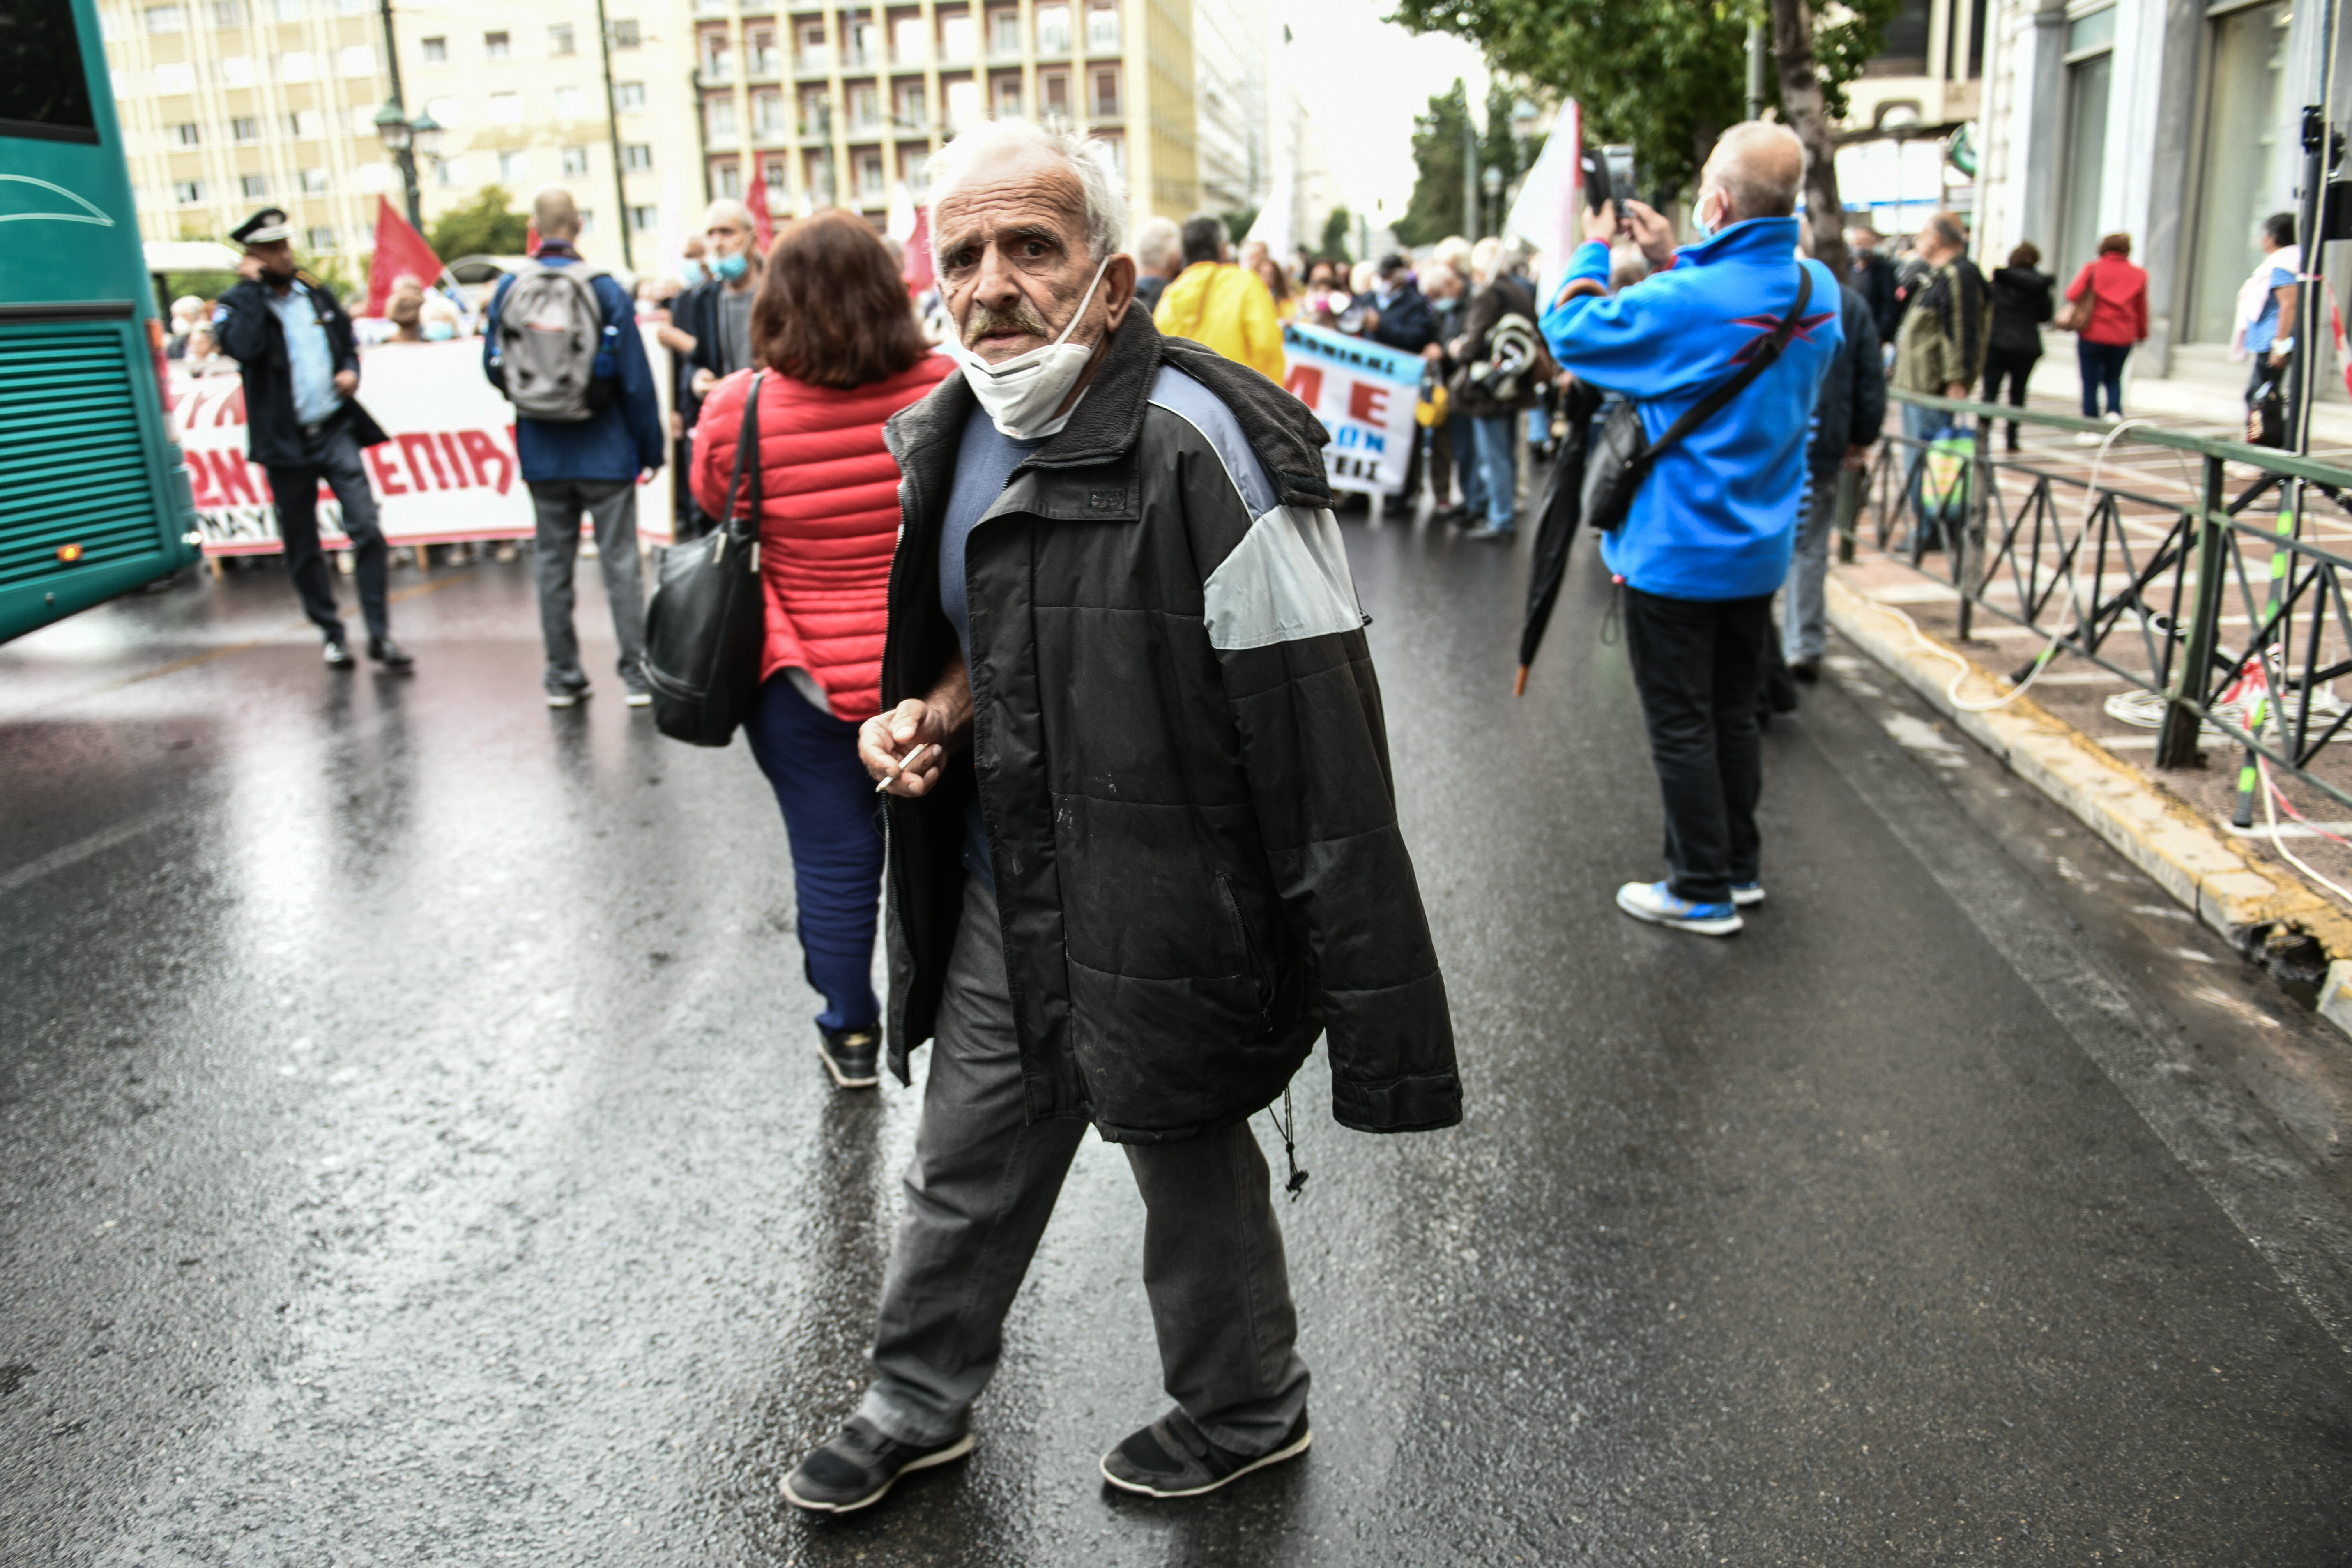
<point>1699,413</point>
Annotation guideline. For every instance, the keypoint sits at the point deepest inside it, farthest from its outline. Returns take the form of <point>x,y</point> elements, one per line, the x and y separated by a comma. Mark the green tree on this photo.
<point>486,226</point>
<point>1665,76</point>
<point>1336,229</point>
<point>1239,222</point>
<point>1436,209</point>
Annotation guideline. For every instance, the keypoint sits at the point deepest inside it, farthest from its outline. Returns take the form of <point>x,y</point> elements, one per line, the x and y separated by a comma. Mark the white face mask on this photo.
<point>1022,393</point>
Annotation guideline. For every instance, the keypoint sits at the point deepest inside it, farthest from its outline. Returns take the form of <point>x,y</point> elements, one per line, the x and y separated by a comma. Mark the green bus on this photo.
<point>93,498</point>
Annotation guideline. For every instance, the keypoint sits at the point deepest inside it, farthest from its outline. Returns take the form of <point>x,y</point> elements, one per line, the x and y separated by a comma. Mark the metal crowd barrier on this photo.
<point>2116,569</point>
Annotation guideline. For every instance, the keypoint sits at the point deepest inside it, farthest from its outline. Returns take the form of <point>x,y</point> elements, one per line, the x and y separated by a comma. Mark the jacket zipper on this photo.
<point>1259,976</point>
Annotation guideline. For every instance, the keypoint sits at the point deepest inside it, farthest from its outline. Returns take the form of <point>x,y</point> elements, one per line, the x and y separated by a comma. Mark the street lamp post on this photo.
<point>404,138</point>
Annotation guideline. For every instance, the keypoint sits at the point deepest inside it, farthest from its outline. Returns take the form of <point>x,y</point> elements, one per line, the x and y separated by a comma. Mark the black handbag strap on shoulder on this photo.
<point>747,456</point>
<point>1699,413</point>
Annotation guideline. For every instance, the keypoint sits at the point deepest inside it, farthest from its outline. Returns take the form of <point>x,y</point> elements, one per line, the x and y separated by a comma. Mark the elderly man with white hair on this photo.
<point>1143,845</point>
<point>1708,536</point>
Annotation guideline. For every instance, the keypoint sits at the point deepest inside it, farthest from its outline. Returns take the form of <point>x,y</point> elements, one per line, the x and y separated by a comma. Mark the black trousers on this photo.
<point>1698,666</point>
<point>335,457</point>
<point>2017,368</point>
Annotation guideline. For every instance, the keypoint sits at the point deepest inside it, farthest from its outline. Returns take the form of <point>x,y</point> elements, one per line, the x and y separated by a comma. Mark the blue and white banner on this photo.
<point>1364,395</point>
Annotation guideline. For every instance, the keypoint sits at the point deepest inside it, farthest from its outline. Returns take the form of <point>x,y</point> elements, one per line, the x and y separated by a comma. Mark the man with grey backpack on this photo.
<point>561,342</point>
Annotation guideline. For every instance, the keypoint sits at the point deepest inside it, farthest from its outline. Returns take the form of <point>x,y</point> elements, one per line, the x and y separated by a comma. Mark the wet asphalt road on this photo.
<point>411,1151</point>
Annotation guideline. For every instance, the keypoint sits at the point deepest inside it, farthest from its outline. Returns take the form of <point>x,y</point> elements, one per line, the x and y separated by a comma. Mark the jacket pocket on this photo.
<point>1252,952</point>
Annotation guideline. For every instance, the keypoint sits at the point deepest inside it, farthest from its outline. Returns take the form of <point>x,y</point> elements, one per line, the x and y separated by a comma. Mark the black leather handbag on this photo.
<point>1620,457</point>
<point>708,622</point>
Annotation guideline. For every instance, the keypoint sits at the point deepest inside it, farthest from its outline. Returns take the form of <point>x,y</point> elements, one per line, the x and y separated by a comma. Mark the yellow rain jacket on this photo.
<point>1226,307</point>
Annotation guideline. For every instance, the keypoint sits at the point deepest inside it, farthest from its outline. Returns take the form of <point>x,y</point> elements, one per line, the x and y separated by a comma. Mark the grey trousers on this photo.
<point>612,509</point>
<point>979,1192</point>
<point>1806,632</point>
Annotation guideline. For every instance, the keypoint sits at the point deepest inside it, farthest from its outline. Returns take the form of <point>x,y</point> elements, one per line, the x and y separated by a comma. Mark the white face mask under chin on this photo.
<point>1021,393</point>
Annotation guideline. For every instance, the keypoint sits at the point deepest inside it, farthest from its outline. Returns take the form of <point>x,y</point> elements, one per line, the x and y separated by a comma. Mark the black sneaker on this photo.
<point>851,1056</point>
<point>390,654</point>
<point>1173,1458</point>
<point>566,693</point>
<point>856,1465</point>
<point>338,655</point>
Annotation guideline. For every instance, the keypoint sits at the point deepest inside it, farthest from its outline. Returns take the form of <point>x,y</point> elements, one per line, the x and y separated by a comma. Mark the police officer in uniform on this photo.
<point>302,425</point>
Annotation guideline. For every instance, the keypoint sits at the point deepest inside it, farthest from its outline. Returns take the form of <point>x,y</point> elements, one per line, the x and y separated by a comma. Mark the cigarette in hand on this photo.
<point>906,763</point>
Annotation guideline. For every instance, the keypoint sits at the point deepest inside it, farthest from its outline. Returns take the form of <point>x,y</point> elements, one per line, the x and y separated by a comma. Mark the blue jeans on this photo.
<point>2103,366</point>
<point>1922,425</point>
<point>832,820</point>
<point>1498,468</point>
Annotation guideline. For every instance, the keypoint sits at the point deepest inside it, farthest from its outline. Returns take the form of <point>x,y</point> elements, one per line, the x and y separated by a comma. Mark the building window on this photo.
<point>511,167</point>
<point>1102,30</point>
<point>166,20</point>
<point>244,129</point>
<point>304,125</point>
<point>718,61</point>
<point>228,13</point>
<point>188,134</point>
<point>955,38</point>
<point>1104,103</point>
<point>253,186</point>
<point>907,105</point>
<point>575,162</point>
<point>628,95</point>
<point>435,50</point>
<point>495,45</point>
<point>637,156</point>
<point>963,104</point>
<point>915,168</point>
<point>1053,29</point>
<point>319,239</point>
<point>506,109</point>
<point>188,193</point>
<point>2247,112</point>
<point>314,181</point>
<point>289,10</point>
<point>762,44</point>
<point>869,176</point>
<point>767,113</point>
<point>1006,102</point>
<point>625,33</point>
<point>730,179</point>
<point>567,103</point>
<point>865,106</point>
<point>563,40</point>
<point>720,112</point>
<point>910,42</point>
<point>644,219</point>
<point>820,178</point>
<point>1004,34</point>
<point>816,112</point>
<point>1054,93</point>
<point>809,53</point>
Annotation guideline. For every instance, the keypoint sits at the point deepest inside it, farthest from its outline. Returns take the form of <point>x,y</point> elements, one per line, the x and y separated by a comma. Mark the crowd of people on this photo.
<point>1070,598</point>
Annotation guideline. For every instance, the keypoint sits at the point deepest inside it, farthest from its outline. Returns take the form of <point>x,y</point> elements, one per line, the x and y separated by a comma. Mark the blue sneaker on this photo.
<point>1655,902</point>
<point>1746,894</point>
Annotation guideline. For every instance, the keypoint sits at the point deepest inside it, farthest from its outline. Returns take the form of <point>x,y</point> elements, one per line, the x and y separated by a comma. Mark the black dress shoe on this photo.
<point>389,654</point>
<point>851,1056</point>
<point>339,656</point>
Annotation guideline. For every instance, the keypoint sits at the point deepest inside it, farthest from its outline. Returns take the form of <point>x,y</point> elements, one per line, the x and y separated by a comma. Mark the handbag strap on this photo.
<point>1698,413</point>
<point>747,456</point>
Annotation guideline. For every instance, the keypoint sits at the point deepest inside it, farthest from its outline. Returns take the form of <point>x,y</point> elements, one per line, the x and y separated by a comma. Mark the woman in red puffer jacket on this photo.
<point>833,327</point>
<point>2110,313</point>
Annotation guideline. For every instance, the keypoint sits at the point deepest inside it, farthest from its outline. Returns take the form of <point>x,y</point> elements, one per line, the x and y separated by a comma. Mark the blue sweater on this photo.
<point>1718,514</point>
<point>615,445</point>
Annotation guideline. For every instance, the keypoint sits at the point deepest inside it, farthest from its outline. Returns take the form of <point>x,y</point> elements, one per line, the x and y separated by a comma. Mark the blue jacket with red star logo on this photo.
<point>1718,516</point>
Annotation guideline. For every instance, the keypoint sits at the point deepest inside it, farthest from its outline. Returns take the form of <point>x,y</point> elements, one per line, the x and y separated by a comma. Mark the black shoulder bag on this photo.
<point>708,622</point>
<point>1620,461</point>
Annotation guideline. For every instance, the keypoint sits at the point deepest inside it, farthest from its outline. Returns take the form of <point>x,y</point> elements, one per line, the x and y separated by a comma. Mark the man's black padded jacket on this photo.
<point>1181,763</point>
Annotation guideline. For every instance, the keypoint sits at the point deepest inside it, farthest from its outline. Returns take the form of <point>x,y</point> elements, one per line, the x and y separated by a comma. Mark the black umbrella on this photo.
<point>1556,516</point>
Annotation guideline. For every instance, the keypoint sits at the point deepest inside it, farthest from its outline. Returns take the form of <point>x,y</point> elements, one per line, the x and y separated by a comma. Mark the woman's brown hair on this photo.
<point>2027,254</point>
<point>832,309</point>
<point>2116,245</point>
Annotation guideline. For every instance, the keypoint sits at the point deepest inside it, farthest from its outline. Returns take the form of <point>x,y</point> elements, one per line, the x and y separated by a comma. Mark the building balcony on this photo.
<point>914,59</point>
<point>714,73</point>
<point>765,67</point>
<point>819,129</point>
<point>812,62</point>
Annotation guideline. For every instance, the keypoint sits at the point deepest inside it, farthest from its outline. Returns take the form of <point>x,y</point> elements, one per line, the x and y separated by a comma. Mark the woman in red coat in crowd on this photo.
<point>2108,300</point>
<point>833,327</point>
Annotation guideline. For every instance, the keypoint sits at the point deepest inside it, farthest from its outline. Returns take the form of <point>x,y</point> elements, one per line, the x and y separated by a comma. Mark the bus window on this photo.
<point>43,91</point>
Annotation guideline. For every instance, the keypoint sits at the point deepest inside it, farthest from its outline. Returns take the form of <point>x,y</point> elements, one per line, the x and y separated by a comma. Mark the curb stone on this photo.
<point>2231,894</point>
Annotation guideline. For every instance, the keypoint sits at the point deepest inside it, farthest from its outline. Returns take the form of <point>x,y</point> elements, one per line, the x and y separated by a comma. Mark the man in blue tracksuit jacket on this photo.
<point>592,466</point>
<point>1709,539</point>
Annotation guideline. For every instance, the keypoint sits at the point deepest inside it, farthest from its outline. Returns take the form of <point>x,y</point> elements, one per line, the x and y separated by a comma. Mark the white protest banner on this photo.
<point>1364,395</point>
<point>449,473</point>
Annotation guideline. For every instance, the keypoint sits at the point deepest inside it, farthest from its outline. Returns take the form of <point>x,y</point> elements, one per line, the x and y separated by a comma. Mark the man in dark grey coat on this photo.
<point>1144,847</point>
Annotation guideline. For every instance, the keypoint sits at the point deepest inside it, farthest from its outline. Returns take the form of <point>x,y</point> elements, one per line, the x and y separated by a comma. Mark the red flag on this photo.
<point>917,271</point>
<point>755,202</point>
<point>400,252</point>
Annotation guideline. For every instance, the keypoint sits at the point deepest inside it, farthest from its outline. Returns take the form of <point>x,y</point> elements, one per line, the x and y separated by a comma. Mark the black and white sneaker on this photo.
<point>856,1465</point>
<point>567,693</point>
<point>853,1056</point>
<point>1173,1458</point>
<point>338,655</point>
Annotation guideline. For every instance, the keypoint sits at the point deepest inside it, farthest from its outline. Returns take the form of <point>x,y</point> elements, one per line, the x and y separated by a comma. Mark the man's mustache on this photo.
<point>1019,319</point>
